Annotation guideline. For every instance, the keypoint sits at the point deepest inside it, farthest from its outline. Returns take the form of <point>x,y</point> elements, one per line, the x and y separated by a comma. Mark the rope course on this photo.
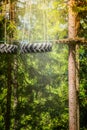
<point>21,47</point>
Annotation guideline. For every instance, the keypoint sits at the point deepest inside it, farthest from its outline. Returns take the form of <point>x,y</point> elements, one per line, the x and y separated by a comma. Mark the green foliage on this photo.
<point>83,87</point>
<point>44,91</point>
<point>3,90</point>
<point>43,21</point>
<point>11,27</point>
<point>41,100</point>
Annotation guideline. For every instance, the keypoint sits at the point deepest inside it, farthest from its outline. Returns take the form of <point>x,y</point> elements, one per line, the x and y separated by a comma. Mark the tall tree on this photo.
<point>9,91</point>
<point>9,67</point>
<point>73,70</point>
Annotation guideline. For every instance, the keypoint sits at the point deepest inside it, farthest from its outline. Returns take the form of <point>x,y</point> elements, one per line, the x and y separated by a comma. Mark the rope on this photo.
<point>30,9</point>
<point>45,21</point>
<point>44,29</point>
<point>5,32</point>
<point>23,33</point>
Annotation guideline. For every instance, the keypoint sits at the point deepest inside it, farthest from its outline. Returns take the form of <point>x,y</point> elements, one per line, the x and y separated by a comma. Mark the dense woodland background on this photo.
<point>34,87</point>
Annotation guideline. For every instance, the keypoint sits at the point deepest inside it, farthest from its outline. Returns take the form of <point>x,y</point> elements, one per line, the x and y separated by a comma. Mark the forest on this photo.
<point>44,90</point>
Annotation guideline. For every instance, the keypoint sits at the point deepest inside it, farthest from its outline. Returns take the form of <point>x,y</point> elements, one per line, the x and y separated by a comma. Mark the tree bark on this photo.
<point>72,69</point>
<point>9,90</point>
<point>9,74</point>
<point>15,90</point>
<point>77,85</point>
<point>72,88</point>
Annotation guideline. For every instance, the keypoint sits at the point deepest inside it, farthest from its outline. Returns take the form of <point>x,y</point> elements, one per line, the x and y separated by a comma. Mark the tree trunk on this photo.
<point>9,90</point>
<point>15,90</point>
<point>9,74</point>
<point>72,88</point>
<point>77,85</point>
<point>72,70</point>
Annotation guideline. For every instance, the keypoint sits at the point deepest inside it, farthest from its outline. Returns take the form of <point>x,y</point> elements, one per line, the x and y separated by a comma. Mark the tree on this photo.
<point>35,96</point>
<point>73,73</point>
<point>9,32</point>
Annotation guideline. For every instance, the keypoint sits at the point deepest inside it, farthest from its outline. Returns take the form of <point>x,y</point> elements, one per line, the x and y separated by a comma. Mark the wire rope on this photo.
<point>30,13</point>
<point>23,32</point>
<point>46,22</point>
<point>5,31</point>
<point>45,28</point>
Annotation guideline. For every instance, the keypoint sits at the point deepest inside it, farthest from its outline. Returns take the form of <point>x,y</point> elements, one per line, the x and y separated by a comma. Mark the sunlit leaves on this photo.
<point>42,78</point>
<point>11,27</point>
<point>44,20</point>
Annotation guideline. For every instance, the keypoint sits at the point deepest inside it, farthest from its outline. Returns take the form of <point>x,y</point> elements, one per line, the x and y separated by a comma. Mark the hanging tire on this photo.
<point>25,48</point>
<point>36,47</point>
<point>8,48</point>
